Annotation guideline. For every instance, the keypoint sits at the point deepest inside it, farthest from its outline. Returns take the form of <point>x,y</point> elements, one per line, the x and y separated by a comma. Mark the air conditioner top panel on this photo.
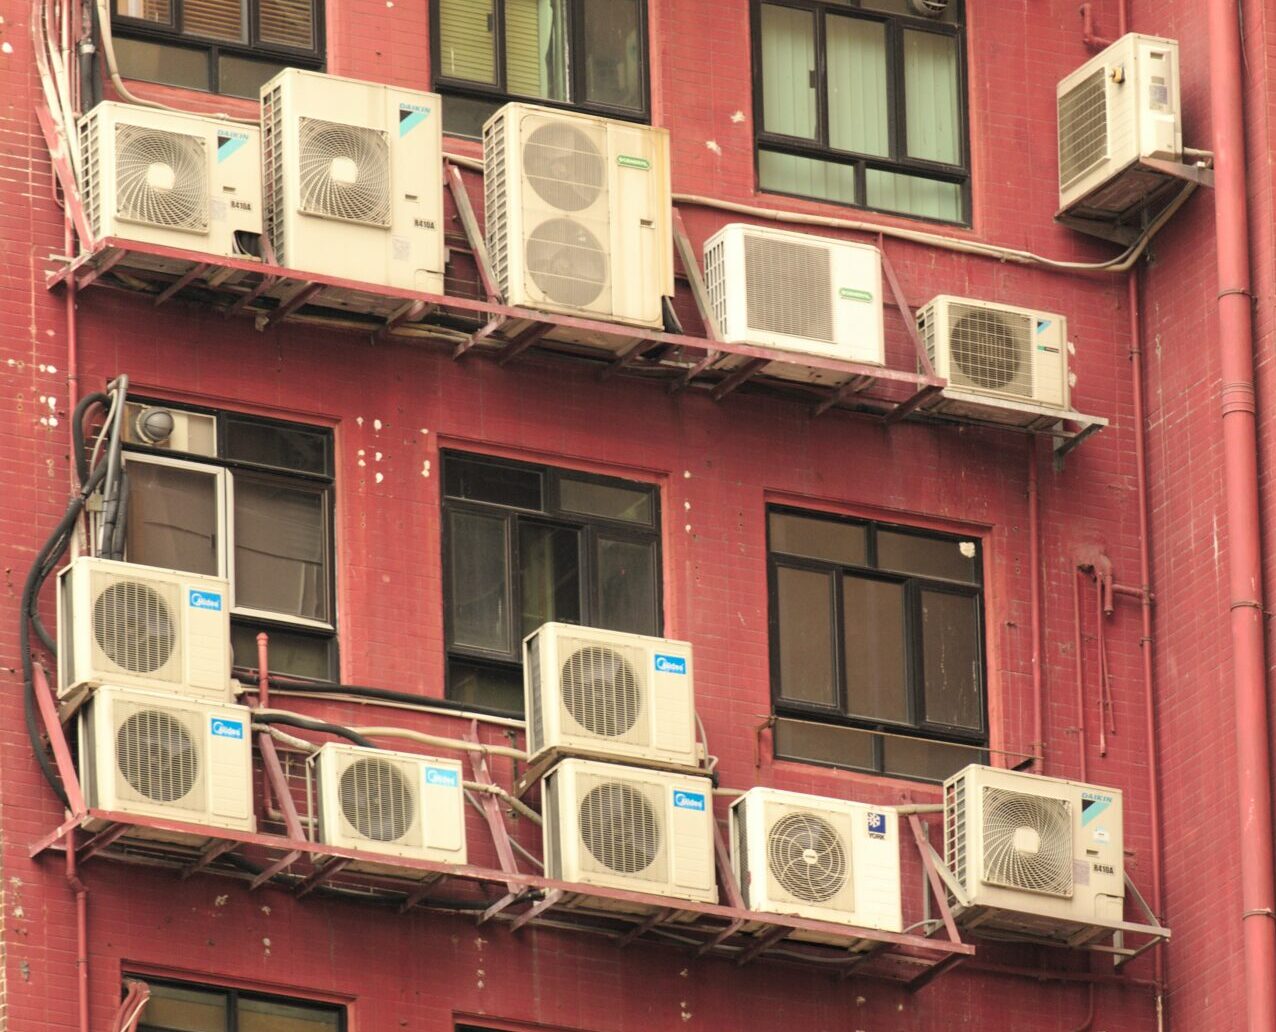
<point>995,306</point>
<point>515,111</point>
<point>323,78</point>
<point>118,111</point>
<point>353,751</point>
<point>580,630</point>
<point>133,571</point>
<point>1026,782</point>
<point>807,239</point>
<point>803,799</point>
<point>1110,54</point>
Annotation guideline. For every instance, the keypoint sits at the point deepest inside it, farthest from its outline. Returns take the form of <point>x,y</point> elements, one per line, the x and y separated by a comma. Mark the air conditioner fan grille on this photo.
<point>991,350</point>
<point>601,691</point>
<point>344,171</point>
<point>377,799</point>
<point>1027,842</point>
<point>564,166</point>
<point>157,756</point>
<point>567,262</point>
<point>161,178</point>
<point>789,287</point>
<point>133,626</point>
<point>1083,128</point>
<point>806,856</point>
<point>619,827</point>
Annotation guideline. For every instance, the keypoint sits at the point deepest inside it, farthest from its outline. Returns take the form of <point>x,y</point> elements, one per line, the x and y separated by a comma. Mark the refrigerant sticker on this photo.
<point>223,728</point>
<point>442,777</point>
<point>209,600</point>
<point>1093,804</point>
<point>688,800</point>
<point>1101,835</point>
<point>410,116</point>
<point>670,664</point>
<point>229,141</point>
<point>876,825</point>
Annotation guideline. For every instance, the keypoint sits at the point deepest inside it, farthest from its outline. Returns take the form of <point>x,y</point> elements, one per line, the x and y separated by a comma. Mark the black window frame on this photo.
<point>550,514</point>
<point>124,27</point>
<point>499,94</point>
<point>820,150</point>
<point>262,472</point>
<point>233,996</point>
<point>916,727</point>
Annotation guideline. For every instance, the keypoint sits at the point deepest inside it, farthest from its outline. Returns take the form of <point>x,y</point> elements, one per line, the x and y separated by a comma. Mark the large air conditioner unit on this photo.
<point>793,292</point>
<point>141,627</point>
<point>825,859</point>
<point>1038,857</point>
<point>151,754</point>
<point>629,828</point>
<point>353,179</point>
<point>171,178</point>
<point>1118,109</point>
<point>578,213</point>
<point>626,696</point>
<point>1002,363</point>
<point>395,803</point>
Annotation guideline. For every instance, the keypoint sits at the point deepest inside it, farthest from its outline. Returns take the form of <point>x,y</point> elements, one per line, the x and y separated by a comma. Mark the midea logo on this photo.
<point>227,728</point>
<point>206,600</point>
<point>688,800</point>
<point>670,664</point>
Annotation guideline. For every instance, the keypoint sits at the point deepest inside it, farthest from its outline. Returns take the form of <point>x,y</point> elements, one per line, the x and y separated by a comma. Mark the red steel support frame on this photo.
<point>1244,548</point>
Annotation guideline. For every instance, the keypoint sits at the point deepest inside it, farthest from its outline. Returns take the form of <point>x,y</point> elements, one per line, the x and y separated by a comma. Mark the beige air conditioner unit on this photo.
<point>149,754</point>
<point>578,213</point>
<point>170,178</point>
<point>627,696</point>
<point>140,627</point>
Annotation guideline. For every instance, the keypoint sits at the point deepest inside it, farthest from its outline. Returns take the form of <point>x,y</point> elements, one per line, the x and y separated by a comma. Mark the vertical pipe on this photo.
<point>263,700</point>
<point>81,930</point>
<point>1244,547</point>
<point>1034,580</point>
<point>1101,646</point>
<point>1080,661</point>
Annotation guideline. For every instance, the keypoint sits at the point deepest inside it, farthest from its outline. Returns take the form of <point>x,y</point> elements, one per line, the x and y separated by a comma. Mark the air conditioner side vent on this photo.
<point>715,281</point>
<point>272,184</point>
<point>495,202</point>
<point>790,288</point>
<point>91,173</point>
<point>955,828</point>
<point>1083,127</point>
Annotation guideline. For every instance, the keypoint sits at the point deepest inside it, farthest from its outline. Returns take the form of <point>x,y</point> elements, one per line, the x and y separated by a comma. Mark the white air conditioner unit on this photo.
<point>353,179</point>
<point>578,213</point>
<point>1044,856</point>
<point>140,627</point>
<point>1002,363</point>
<point>629,828</point>
<point>1117,109</point>
<point>626,696</point>
<point>396,803</point>
<point>150,754</point>
<point>171,178</point>
<point>170,429</point>
<point>793,292</point>
<point>825,859</point>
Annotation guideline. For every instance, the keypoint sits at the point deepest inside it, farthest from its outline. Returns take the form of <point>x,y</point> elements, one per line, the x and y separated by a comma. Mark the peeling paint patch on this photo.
<point>425,468</point>
<point>714,146</point>
<point>376,424</point>
<point>737,117</point>
<point>380,477</point>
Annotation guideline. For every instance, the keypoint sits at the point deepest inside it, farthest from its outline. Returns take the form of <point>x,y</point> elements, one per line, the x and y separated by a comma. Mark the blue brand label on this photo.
<point>688,800</point>
<point>1093,804</point>
<point>229,141</point>
<point>223,728</point>
<point>209,600</point>
<point>410,116</point>
<point>670,664</point>
<point>876,824</point>
<point>441,777</point>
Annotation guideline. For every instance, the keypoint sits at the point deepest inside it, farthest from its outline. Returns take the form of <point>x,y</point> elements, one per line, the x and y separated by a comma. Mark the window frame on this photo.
<point>125,27</point>
<point>234,994</point>
<point>550,514</point>
<point>576,71</point>
<point>915,726</point>
<point>820,150</point>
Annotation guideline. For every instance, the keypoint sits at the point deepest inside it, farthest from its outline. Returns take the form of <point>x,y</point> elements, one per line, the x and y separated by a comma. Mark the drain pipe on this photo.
<point>1034,581</point>
<point>1244,550</point>
<point>81,929</point>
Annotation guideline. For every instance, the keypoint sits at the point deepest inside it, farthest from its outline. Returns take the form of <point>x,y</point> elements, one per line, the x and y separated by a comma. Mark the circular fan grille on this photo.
<point>376,799</point>
<point>133,627</point>
<point>564,166</point>
<point>1027,842</point>
<point>567,262</point>
<point>601,691</point>
<point>157,756</point>
<point>986,349</point>
<point>618,827</point>
<point>344,172</point>
<point>161,178</point>
<point>805,855</point>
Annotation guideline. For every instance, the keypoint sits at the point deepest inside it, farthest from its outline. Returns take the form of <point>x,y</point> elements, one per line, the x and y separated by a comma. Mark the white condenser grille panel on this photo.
<point>564,166</point>
<point>991,350</point>
<point>603,690</point>
<point>377,799</point>
<point>91,172</point>
<point>273,171</point>
<point>620,829</point>
<point>494,203</point>
<point>789,288</point>
<point>158,756</point>
<point>1083,127</point>
<point>1027,842</point>
<point>135,625</point>
<point>568,261</point>
<point>344,171</point>
<point>161,178</point>
<point>807,857</point>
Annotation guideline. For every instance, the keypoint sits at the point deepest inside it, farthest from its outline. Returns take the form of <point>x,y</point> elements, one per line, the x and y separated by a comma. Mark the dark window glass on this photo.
<point>162,62</point>
<point>188,1008</point>
<point>282,548</point>
<point>862,103</point>
<point>172,518</point>
<point>613,53</point>
<point>294,653</point>
<point>898,687</point>
<point>302,449</point>
<point>526,545</point>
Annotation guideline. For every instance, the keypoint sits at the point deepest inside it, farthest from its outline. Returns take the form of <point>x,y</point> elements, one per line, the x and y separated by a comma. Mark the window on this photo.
<point>524,545</point>
<point>174,1007</point>
<point>254,506</point>
<point>223,46</point>
<point>861,102</point>
<point>877,659</point>
<point>585,54</point>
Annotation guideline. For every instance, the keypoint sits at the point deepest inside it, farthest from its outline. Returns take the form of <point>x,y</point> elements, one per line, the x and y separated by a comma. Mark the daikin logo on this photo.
<point>688,800</point>
<point>1093,804</point>
<point>410,116</point>
<point>210,600</point>
<point>670,664</point>
<point>229,141</point>
<point>441,777</point>
<point>223,728</point>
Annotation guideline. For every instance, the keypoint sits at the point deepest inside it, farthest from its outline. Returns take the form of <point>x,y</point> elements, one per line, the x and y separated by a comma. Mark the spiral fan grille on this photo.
<point>992,350</point>
<point>806,856</point>
<point>133,627</point>
<point>564,166</point>
<point>601,691</point>
<point>619,828</point>
<point>161,178</point>
<point>157,756</point>
<point>1027,842</point>
<point>344,172</point>
<point>376,798</point>
<point>567,262</point>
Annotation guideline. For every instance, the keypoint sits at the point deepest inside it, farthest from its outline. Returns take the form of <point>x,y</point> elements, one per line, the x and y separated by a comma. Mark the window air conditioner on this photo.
<point>1043,855</point>
<point>400,804</point>
<point>152,754</point>
<point>578,213</point>
<point>140,627</point>
<point>353,180</point>
<point>626,696</point>
<point>1118,108</point>
<point>1002,363</point>
<point>171,178</point>
<point>824,859</point>
<point>628,828</point>
<point>805,294</point>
